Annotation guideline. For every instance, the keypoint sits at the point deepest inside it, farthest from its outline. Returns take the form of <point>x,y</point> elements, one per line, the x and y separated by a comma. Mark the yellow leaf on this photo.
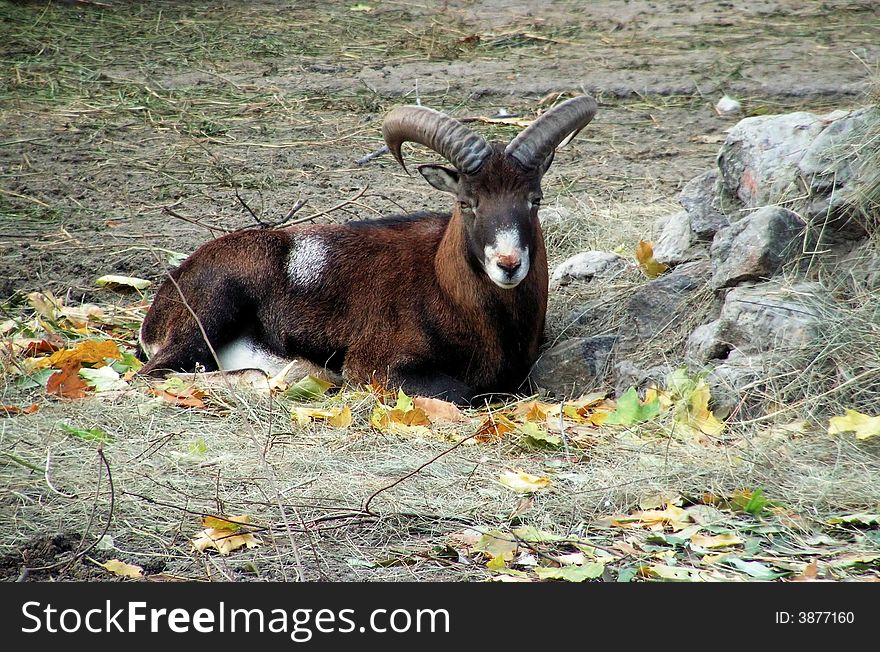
<point>645,256</point>
<point>495,544</point>
<point>341,420</point>
<point>717,541</point>
<point>338,418</point>
<point>863,425</point>
<point>494,428</point>
<point>224,535</point>
<point>93,352</point>
<point>229,523</point>
<point>692,410</point>
<point>674,517</point>
<point>496,563</point>
<point>522,482</point>
<point>122,569</point>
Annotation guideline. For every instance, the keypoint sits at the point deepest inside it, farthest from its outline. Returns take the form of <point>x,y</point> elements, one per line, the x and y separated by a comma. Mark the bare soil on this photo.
<point>126,134</point>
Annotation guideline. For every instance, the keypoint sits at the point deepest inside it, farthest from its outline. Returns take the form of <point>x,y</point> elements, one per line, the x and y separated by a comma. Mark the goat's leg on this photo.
<point>432,384</point>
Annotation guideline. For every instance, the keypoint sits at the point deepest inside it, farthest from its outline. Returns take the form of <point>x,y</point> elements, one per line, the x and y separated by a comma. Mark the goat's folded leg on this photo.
<point>419,382</point>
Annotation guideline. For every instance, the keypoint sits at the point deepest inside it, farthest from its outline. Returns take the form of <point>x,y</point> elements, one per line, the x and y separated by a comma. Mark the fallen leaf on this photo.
<point>66,382</point>
<point>493,428</point>
<point>856,519</point>
<point>809,574</point>
<point>103,379</point>
<point>224,535</point>
<point>93,434</point>
<point>336,417</point>
<point>177,392</point>
<point>45,304</point>
<point>12,410</point>
<point>863,425</point>
<point>588,571</point>
<point>856,559</point>
<point>630,410</point>
<point>122,569</point>
<point>115,282</point>
<point>495,543</point>
<point>754,569</point>
<point>674,517</point>
<point>538,437</point>
<point>717,541</point>
<point>671,573</point>
<point>522,482</point>
<point>645,257</point>
<point>94,352</point>
<point>437,410</point>
<point>308,389</point>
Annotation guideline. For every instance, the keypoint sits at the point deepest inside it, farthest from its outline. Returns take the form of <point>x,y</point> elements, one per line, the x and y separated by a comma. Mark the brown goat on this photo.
<point>441,305</point>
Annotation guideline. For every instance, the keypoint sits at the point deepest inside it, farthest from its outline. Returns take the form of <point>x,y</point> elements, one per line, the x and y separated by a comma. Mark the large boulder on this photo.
<point>756,247</point>
<point>660,303</point>
<point>575,366</point>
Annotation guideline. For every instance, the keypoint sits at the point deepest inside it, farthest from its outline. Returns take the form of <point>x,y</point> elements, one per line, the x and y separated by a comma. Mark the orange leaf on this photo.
<point>187,397</point>
<point>494,428</point>
<point>92,352</point>
<point>12,410</point>
<point>645,255</point>
<point>66,383</point>
<point>437,410</point>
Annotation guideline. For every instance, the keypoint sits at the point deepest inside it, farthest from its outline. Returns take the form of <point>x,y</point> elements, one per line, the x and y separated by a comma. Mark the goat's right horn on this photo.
<point>466,150</point>
<point>533,145</point>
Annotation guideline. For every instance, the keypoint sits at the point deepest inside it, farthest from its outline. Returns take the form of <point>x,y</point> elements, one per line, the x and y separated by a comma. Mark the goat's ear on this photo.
<point>442,178</point>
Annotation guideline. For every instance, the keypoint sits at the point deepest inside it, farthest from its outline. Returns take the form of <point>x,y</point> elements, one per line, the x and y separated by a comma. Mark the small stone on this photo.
<point>585,266</point>
<point>676,243</point>
<point>728,106</point>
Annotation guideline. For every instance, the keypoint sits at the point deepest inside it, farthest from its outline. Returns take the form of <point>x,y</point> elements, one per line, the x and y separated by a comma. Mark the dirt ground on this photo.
<point>128,134</point>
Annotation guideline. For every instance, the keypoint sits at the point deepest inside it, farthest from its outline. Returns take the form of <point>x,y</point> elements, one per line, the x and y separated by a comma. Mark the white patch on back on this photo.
<point>308,257</point>
<point>507,242</point>
<point>244,353</point>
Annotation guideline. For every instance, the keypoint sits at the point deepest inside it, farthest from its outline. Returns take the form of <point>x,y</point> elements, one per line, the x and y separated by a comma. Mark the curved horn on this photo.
<point>448,137</point>
<point>532,146</point>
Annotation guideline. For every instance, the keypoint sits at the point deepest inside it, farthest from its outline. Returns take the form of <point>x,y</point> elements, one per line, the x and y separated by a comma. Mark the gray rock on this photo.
<point>700,199</point>
<point>676,242</point>
<point>728,106</point>
<point>661,302</point>
<point>759,159</point>
<point>730,382</point>
<point>630,373</point>
<point>756,247</point>
<point>771,317</point>
<point>587,265</point>
<point>704,344</point>
<point>555,215</point>
<point>575,366</point>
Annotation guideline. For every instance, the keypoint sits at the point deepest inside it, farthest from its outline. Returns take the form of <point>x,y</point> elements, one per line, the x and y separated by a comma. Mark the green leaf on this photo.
<point>198,448</point>
<point>128,363</point>
<point>95,434</point>
<point>34,380</point>
<point>589,571</point>
<point>537,437</point>
<point>752,502</point>
<point>404,402</point>
<point>631,411</point>
<point>308,389</point>
<point>626,574</point>
<point>680,384</point>
<point>753,569</point>
<point>531,534</point>
<point>856,519</point>
<point>115,282</point>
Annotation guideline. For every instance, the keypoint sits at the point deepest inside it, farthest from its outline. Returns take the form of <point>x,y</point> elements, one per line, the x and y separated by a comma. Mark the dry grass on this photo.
<point>147,107</point>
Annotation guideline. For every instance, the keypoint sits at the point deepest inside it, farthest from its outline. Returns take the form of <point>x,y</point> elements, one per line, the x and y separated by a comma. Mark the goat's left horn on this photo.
<point>465,149</point>
<point>532,146</point>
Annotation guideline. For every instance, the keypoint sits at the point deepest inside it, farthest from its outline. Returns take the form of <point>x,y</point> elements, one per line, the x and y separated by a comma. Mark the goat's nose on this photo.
<point>509,262</point>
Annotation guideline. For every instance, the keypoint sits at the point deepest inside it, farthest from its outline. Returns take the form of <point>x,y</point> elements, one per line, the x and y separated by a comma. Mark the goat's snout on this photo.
<point>509,262</point>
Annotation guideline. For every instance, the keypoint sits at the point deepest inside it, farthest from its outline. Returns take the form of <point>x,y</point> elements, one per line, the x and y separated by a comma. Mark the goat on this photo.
<point>447,305</point>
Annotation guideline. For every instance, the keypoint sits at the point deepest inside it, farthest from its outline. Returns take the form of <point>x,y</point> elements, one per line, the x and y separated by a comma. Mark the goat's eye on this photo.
<point>536,201</point>
<point>465,206</point>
